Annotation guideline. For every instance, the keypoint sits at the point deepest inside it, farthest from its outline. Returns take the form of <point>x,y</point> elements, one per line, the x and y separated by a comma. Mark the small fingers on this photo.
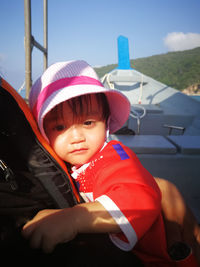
<point>35,239</point>
<point>38,240</point>
<point>27,230</point>
<point>47,246</point>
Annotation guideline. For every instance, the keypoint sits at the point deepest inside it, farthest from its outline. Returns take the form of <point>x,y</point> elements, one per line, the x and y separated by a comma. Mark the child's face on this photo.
<point>76,140</point>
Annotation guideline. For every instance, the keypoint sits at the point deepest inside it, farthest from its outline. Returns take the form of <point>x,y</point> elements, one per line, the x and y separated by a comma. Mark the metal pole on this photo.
<point>28,63</point>
<point>38,45</point>
<point>45,10</point>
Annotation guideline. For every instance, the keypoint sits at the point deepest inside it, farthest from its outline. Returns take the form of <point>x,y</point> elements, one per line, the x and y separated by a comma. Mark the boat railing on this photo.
<point>173,127</point>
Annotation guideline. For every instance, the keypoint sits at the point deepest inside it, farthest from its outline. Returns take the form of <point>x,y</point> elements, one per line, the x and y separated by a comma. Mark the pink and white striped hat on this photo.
<point>65,80</point>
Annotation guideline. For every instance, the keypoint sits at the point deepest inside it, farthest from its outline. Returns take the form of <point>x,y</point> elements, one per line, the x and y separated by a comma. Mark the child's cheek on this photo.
<point>59,145</point>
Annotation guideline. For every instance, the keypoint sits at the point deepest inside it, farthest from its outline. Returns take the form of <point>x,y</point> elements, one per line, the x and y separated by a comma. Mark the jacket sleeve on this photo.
<point>129,193</point>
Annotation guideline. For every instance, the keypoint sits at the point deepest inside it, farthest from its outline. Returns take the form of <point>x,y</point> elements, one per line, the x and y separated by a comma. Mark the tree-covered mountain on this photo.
<point>177,69</point>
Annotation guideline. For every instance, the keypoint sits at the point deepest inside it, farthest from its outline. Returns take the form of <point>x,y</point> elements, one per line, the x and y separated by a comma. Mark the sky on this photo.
<point>88,29</point>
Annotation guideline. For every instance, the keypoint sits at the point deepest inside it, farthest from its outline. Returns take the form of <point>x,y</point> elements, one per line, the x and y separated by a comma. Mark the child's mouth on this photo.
<point>79,151</point>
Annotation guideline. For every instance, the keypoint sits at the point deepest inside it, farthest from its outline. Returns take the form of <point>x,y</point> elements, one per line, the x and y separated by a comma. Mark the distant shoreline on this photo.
<point>192,90</point>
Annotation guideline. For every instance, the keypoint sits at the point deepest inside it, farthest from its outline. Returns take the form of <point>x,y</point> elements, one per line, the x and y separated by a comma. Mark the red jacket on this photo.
<point>116,178</point>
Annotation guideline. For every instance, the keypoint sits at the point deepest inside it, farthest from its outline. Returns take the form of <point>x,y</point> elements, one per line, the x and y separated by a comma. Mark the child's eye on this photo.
<point>60,127</point>
<point>88,123</point>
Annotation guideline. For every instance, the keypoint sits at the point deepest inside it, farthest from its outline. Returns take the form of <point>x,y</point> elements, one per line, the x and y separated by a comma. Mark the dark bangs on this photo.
<point>82,106</point>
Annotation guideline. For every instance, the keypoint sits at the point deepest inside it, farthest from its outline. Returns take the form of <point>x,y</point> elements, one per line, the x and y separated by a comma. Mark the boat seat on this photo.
<point>146,144</point>
<point>186,144</point>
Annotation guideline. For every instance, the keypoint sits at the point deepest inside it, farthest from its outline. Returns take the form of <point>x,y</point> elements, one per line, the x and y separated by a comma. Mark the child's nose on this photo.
<point>77,134</point>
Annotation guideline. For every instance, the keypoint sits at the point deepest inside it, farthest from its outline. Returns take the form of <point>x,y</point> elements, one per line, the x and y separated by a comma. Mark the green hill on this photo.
<point>176,69</point>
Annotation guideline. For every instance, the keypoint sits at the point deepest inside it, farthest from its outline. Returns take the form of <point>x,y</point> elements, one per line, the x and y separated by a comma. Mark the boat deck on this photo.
<point>166,124</point>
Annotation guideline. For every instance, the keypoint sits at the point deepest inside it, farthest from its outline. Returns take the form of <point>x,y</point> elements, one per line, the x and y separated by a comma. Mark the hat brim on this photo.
<point>118,103</point>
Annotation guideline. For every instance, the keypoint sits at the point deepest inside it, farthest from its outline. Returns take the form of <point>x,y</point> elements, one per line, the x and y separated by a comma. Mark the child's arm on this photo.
<point>180,223</point>
<point>51,227</point>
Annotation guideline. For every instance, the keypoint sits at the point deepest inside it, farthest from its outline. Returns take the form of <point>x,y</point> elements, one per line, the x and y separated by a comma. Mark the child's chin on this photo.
<point>79,163</point>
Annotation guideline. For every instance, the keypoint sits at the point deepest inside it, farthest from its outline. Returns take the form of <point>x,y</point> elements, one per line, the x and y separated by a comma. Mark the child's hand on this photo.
<point>49,228</point>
